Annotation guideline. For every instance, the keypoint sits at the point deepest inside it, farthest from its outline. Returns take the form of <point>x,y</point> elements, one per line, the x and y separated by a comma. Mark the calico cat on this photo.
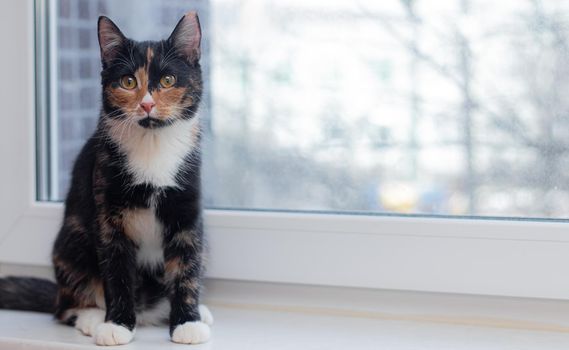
<point>131,245</point>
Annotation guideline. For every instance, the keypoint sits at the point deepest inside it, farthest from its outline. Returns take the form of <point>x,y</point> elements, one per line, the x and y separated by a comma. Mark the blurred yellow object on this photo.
<point>399,197</point>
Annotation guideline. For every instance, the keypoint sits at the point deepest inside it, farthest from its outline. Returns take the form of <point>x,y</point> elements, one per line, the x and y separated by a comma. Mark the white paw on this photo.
<point>191,333</point>
<point>88,320</point>
<point>205,315</point>
<point>112,334</point>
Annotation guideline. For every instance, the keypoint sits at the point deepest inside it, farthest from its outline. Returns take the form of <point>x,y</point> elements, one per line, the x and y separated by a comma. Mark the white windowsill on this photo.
<point>267,316</point>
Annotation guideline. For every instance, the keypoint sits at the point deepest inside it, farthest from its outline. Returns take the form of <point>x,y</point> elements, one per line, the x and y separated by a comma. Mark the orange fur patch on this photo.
<point>149,56</point>
<point>133,219</point>
<point>173,268</point>
<point>129,100</point>
<point>168,101</point>
<point>184,239</point>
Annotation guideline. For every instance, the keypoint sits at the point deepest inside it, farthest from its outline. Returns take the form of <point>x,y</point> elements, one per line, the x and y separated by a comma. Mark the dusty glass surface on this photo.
<point>396,106</point>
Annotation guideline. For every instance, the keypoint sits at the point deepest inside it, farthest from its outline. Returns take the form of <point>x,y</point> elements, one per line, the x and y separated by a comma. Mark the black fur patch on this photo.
<point>28,294</point>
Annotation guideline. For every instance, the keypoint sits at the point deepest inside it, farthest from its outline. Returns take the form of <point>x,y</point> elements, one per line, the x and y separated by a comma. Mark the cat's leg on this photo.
<point>80,299</point>
<point>183,266</point>
<point>117,265</point>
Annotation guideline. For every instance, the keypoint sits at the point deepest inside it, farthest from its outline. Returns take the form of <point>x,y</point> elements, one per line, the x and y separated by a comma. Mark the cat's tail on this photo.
<point>28,294</point>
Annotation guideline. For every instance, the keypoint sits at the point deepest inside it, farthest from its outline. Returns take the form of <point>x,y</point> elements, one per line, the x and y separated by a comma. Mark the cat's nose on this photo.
<point>147,106</point>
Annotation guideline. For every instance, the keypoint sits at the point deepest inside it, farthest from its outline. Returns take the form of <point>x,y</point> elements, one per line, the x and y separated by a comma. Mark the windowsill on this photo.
<point>265,316</point>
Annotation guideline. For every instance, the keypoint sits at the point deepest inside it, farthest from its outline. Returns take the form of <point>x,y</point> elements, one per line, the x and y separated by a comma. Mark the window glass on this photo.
<point>407,106</point>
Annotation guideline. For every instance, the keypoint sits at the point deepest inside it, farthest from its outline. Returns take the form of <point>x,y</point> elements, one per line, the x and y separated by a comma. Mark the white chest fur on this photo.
<point>154,156</point>
<point>142,226</point>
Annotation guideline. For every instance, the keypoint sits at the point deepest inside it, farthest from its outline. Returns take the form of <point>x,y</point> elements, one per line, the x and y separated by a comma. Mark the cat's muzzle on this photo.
<point>152,123</point>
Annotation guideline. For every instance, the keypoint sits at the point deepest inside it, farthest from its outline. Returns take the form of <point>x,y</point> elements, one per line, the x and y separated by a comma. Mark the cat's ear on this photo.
<point>186,37</point>
<point>110,39</point>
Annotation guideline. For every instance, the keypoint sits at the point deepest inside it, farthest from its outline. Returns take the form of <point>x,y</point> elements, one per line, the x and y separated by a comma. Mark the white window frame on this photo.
<point>521,258</point>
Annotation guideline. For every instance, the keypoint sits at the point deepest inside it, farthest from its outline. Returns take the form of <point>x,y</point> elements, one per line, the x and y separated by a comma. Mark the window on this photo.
<point>323,108</point>
<point>454,108</point>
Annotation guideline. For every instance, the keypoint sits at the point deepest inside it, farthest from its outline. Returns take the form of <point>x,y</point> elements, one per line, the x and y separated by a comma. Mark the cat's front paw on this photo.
<point>205,315</point>
<point>112,334</point>
<point>191,333</point>
<point>88,320</point>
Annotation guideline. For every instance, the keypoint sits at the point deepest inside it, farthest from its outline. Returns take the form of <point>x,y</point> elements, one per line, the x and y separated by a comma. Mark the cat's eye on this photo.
<point>128,82</point>
<point>167,80</point>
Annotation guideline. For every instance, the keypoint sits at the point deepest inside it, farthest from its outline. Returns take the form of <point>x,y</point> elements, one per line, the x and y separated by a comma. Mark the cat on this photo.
<point>131,246</point>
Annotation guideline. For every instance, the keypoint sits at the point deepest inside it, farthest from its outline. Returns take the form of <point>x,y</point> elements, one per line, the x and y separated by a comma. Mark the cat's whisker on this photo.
<point>166,58</point>
<point>130,53</point>
<point>128,61</point>
<point>124,126</point>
